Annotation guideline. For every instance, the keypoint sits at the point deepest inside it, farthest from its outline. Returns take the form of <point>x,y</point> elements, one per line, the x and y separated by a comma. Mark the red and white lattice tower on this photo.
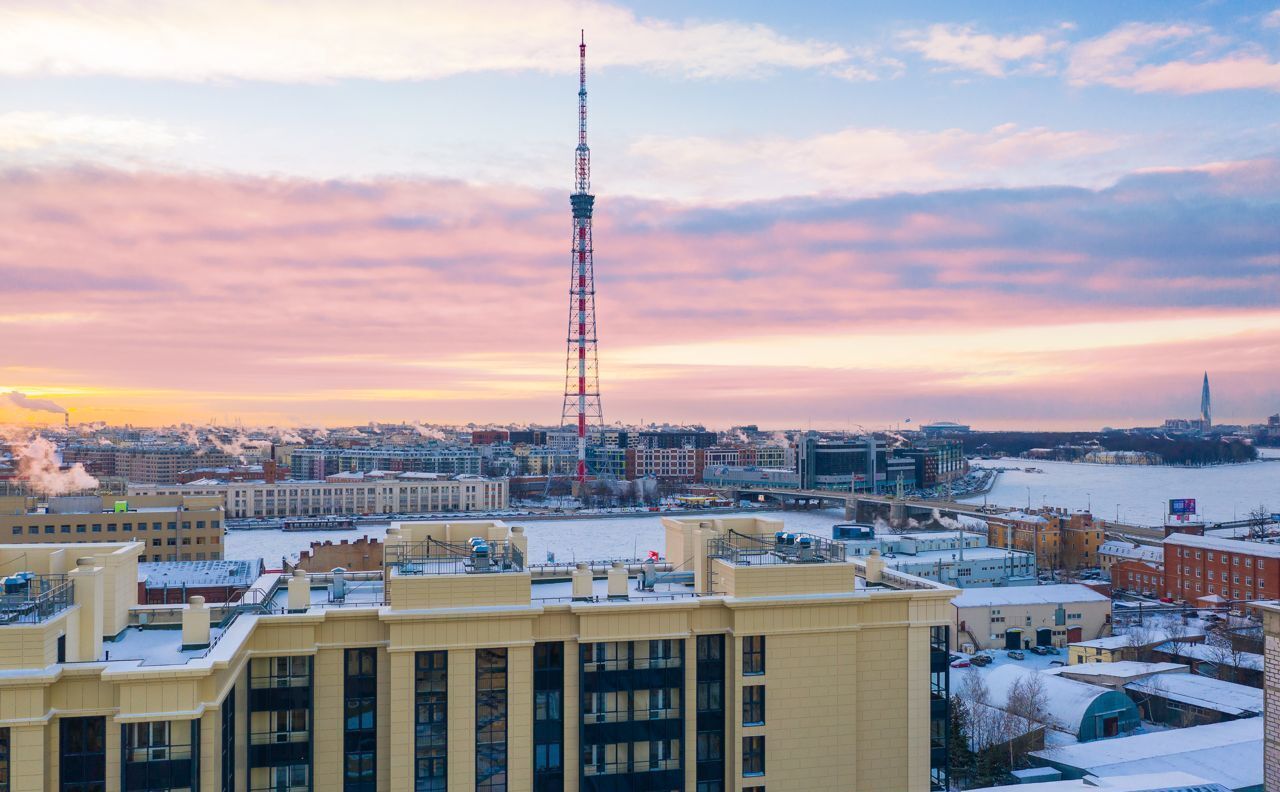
<point>581,377</point>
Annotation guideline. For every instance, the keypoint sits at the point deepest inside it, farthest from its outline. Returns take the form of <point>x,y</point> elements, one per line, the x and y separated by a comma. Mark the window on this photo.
<point>752,705</point>
<point>229,742</point>
<point>491,719</point>
<point>710,746</point>
<point>710,696</point>
<point>83,762</point>
<point>431,686</point>
<point>752,756</point>
<point>753,654</point>
<point>709,647</point>
<point>360,714</point>
<point>4,760</point>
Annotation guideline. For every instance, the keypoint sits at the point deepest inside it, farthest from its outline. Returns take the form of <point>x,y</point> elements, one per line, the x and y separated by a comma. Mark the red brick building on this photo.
<point>1143,577</point>
<point>1200,566</point>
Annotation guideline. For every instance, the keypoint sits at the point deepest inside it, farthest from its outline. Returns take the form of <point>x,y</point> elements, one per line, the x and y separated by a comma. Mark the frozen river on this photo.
<point>1138,494</point>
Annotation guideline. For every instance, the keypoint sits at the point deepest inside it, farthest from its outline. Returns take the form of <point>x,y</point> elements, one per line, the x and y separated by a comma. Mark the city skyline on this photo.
<point>1006,218</point>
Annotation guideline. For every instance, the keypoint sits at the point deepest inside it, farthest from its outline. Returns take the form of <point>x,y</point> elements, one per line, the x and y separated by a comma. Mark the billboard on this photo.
<point>1182,506</point>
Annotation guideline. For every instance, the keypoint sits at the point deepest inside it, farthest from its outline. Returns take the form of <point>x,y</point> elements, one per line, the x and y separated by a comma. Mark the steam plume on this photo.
<point>25,402</point>
<point>39,464</point>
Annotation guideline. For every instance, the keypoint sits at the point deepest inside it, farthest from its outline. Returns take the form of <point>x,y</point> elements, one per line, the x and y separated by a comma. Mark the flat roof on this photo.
<point>230,572</point>
<point>1120,668</point>
<point>1265,549</point>
<point>1227,753</point>
<point>1054,594</point>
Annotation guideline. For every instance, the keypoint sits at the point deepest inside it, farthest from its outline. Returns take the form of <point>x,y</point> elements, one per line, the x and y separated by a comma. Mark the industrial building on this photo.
<point>1197,567</point>
<point>780,663</point>
<point>376,492</point>
<point>956,558</point>
<point>170,527</point>
<point>1018,617</point>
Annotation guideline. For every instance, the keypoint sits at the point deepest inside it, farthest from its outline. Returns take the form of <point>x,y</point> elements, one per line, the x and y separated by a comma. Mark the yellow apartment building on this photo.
<point>169,527</point>
<point>757,659</point>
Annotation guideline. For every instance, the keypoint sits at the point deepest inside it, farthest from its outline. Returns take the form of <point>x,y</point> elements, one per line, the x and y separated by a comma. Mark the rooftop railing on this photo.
<point>783,547</point>
<point>434,557</point>
<point>31,599</point>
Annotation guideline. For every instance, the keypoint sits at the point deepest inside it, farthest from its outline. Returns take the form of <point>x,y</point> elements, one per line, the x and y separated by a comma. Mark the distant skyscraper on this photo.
<point>1206,412</point>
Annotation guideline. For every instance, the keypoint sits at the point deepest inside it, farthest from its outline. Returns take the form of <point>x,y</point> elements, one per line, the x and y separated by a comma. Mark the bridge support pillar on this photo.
<point>898,514</point>
<point>851,510</point>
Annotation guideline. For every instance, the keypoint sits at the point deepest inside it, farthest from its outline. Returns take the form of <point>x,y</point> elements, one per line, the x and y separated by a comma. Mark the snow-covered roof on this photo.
<point>1106,642</point>
<point>159,574</point>
<point>1143,782</point>
<point>1022,516</point>
<point>1125,669</point>
<point>1264,549</point>
<point>1117,549</point>
<point>1067,700</point>
<point>1226,753</point>
<point>1214,654</point>
<point>1056,594</point>
<point>1202,691</point>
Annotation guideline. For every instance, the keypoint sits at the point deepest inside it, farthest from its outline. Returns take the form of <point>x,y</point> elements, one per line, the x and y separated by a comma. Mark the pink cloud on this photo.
<point>150,297</point>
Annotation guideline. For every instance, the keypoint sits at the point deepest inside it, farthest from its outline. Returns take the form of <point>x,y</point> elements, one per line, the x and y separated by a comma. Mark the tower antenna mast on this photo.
<point>582,378</point>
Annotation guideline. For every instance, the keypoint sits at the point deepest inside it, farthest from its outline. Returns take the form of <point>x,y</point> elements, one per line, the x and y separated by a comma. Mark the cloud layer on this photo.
<point>152,297</point>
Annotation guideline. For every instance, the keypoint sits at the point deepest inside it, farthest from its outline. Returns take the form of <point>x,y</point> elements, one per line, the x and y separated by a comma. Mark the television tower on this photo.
<point>581,376</point>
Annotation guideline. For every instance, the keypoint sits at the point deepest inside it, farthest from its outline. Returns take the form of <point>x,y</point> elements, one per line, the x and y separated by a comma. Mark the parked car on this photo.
<point>961,663</point>
<point>1056,663</point>
<point>981,660</point>
<point>1052,650</point>
<point>1037,650</point>
<point>1016,654</point>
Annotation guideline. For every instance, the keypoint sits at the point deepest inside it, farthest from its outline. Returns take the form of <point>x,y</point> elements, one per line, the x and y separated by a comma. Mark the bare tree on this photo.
<point>1027,713</point>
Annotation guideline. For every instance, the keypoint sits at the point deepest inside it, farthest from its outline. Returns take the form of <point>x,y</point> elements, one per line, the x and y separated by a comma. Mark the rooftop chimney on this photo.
<point>195,624</point>
<point>299,591</point>
<point>582,582</point>
<point>617,581</point>
<point>875,567</point>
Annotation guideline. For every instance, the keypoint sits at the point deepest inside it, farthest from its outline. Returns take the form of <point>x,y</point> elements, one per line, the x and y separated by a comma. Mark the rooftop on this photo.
<point>1056,594</point>
<point>1120,668</point>
<point>160,574</point>
<point>1202,691</point>
<point>1264,549</point>
<point>1214,654</point>
<point>1226,753</point>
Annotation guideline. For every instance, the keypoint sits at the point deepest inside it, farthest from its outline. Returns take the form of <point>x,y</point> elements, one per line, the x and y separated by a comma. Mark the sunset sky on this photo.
<point>322,212</point>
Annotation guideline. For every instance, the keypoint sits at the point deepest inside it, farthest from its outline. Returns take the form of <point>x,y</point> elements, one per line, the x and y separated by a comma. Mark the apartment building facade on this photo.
<point>170,527</point>
<point>380,492</point>
<point>449,671</point>
<point>313,462</point>
<point>144,464</point>
<point>1233,569</point>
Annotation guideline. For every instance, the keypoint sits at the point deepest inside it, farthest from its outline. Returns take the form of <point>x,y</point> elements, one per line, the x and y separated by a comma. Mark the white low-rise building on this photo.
<point>377,492</point>
<point>1019,617</point>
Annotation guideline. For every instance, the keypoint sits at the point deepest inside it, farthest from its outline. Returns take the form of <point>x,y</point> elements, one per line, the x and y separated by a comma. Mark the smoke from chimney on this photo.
<point>24,402</point>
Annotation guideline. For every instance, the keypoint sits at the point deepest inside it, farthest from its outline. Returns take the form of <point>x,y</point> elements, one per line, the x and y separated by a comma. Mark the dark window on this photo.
<point>548,716</point>
<point>83,765</point>
<point>710,696</point>
<point>491,719</point>
<point>431,724</point>
<point>157,756</point>
<point>710,786</point>
<point>752,705</point>
<point>4,760</point>
<point>229,742</point>
<point>62,648</point>
<point>710,746</point>
<point>752,756</point>
<point>753,654</point>
<point>97,527</point>
<point>710,647</point>
<point>360,718</point>
<point>753,789</point>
